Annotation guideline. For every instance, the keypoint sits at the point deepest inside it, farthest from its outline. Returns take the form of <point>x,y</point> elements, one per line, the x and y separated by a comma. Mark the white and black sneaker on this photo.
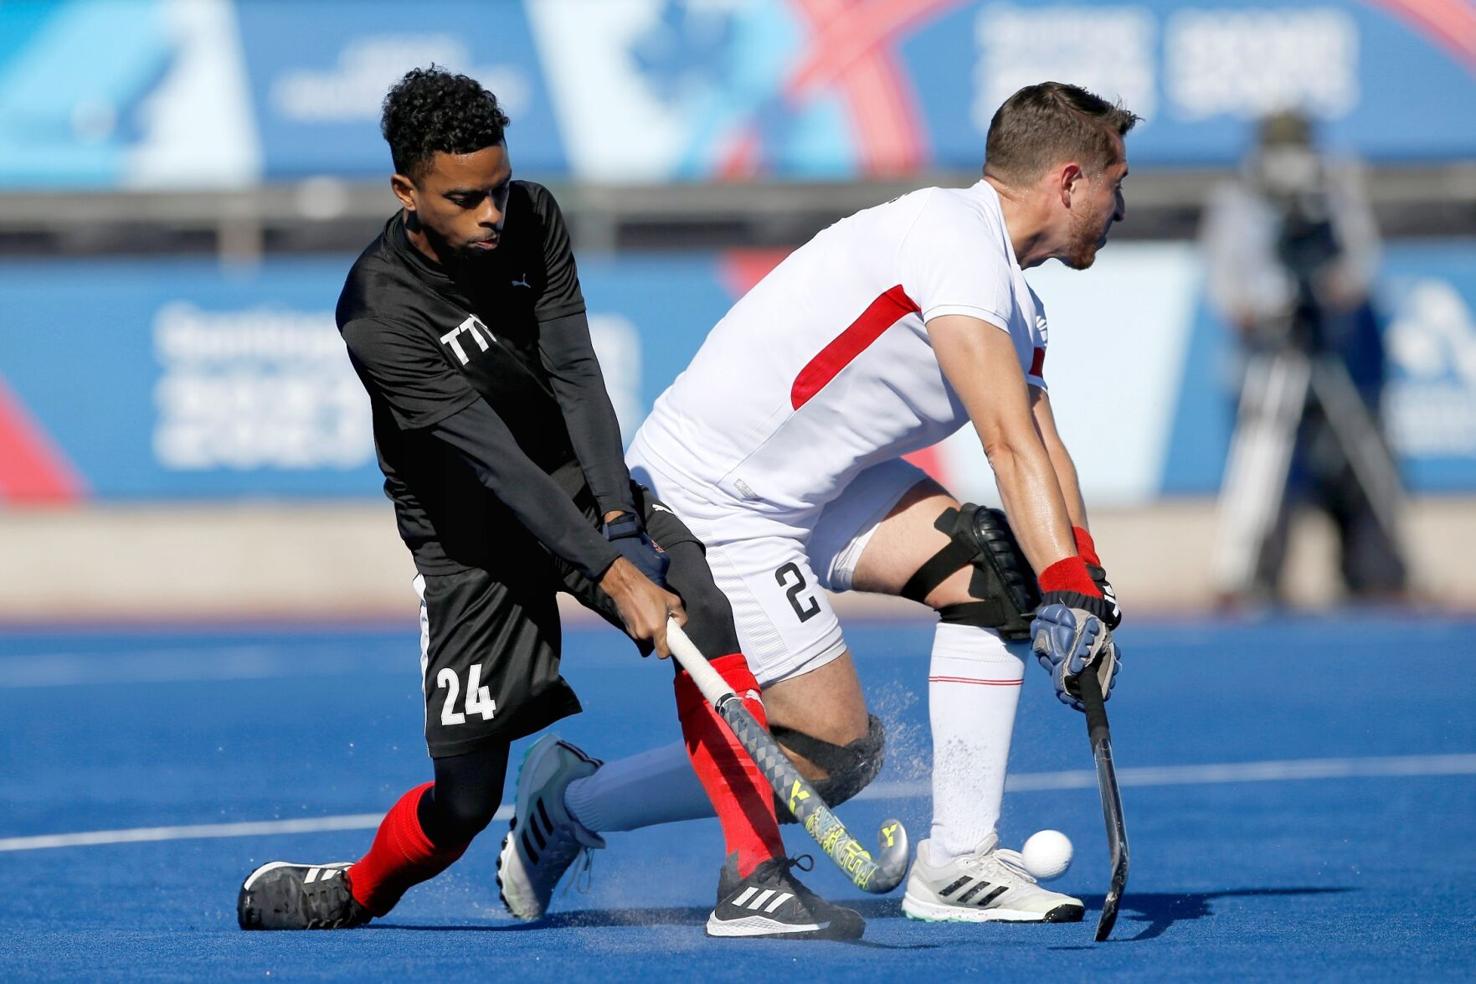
<point>988,885</point>
<point>771,902</point>
<point>283,895</point>
<point>544,839</point>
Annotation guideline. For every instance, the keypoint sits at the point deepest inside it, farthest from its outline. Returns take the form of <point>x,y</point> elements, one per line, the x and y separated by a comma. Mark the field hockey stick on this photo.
<point>1117,841</point>
<point>867,874</point>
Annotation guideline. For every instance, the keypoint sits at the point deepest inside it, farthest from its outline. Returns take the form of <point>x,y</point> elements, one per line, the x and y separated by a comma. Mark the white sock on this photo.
<point>973,687</point>
<point>657,786</point>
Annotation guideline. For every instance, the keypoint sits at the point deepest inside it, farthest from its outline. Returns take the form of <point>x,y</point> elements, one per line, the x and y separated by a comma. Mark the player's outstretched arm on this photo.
<point>579,386</point>
<point>1069,630</point>
<point>1061,463</point>
<point>584,402</point>
<point>1066,477</point>
<point>979,361</point>
<point>573,369</point>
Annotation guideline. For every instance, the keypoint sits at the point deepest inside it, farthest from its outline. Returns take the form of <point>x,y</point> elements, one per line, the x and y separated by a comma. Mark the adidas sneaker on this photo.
<point>771,902</point>
<point>988,885</point>
<point>544,838</point>
<point>283,895</point>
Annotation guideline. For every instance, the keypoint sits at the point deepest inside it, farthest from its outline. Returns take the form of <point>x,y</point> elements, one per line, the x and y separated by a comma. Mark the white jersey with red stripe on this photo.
<point>826,367</point>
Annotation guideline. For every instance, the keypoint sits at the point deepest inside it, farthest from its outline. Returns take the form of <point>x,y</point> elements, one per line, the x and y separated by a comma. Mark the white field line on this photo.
<point>1166,775</point>
<point>1198,775</point>
<point>249,828</point>
<point>183,665</point>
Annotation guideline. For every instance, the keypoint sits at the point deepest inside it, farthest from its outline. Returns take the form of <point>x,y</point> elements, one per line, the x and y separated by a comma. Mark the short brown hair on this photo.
<point>1050,122</point>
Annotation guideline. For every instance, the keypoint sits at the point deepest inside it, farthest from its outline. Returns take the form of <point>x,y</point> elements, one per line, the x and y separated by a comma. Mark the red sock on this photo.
<point>400,857</point>
<point>742,796</point>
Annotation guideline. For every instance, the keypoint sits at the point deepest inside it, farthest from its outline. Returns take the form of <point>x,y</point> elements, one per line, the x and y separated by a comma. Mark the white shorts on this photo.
<point>772,568</point>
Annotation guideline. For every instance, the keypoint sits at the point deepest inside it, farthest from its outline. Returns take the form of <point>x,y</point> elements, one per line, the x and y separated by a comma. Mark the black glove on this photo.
<point>627,534</point>
<point>1113,618</point>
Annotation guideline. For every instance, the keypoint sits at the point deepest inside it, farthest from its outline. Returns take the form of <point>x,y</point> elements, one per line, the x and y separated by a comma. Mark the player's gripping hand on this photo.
<point>644,607</point>
<point>1070,635</point>
<point>627,533</point>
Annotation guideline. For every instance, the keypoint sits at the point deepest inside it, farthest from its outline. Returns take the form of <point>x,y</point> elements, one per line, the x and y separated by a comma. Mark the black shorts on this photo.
<point>490,637</point>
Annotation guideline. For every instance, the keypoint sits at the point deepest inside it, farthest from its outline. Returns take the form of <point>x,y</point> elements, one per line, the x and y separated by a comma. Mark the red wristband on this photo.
<point>1069,575</point>
<point>1085,546</point>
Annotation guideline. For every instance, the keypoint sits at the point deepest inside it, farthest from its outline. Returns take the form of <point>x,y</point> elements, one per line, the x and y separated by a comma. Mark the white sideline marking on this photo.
<point>182,664</point>
<point>249,828</point>
<point>1197,775</point>
<point>1163,775</point>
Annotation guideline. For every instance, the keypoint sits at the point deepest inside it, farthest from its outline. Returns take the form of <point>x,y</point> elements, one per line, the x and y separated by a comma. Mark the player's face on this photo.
<point>460,202</point>
<point>1093,211</point>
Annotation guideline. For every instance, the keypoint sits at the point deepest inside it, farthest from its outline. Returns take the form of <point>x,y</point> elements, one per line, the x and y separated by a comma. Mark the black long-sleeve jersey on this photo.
<point>489,405</point>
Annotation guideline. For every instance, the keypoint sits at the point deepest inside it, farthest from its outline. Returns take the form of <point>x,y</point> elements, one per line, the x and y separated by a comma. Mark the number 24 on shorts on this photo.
<point>478,698</point>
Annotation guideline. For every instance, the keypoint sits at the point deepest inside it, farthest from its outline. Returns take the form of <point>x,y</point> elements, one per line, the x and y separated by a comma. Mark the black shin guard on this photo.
<point>849,768</point>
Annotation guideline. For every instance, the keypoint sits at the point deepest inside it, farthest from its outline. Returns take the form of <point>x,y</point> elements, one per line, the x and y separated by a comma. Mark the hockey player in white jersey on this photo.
<point>781,447</point>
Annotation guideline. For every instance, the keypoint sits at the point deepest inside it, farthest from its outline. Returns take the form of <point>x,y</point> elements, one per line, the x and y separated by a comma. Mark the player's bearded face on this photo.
<point>460,203</point>
<point>1101,204</point>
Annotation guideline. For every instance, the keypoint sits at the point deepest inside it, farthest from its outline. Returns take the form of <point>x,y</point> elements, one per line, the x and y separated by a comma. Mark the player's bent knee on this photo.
<point>460,820</point>
<point>849,768</point>
<point>466,793</point>
<point>1002,587</point>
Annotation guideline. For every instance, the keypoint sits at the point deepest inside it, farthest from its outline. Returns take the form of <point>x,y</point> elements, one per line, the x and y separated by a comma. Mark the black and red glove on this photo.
<point>1088,551</point>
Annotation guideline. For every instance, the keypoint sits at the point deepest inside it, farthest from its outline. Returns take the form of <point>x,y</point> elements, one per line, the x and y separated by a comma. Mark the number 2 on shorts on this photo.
<point>810,607</point>
<point>478,698</point>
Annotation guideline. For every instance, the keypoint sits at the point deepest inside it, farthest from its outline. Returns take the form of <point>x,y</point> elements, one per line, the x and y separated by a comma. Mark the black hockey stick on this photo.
<point>866,873</point>
<point>1117,839</point>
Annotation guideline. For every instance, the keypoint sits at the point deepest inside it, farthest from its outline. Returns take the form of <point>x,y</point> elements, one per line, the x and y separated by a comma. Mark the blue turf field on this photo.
<point>1364,868</point>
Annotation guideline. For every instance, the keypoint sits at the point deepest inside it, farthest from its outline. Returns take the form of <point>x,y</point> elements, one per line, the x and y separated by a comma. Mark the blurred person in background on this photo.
<point>1291,254</point>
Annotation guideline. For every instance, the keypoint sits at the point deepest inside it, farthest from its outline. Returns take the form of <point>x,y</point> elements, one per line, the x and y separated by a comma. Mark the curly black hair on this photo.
<point>432,110</point>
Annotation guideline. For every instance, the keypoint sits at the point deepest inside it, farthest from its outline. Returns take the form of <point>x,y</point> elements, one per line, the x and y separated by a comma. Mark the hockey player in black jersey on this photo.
<point>465,322</point>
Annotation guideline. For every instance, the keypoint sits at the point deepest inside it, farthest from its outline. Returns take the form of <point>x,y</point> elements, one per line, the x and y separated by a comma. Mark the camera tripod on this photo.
<point>1281,384</point>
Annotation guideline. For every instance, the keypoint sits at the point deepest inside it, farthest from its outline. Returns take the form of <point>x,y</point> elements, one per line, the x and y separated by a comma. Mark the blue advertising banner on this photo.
<point>318,75</point>
<point>795,88</point>
<point>120,94</point>
<point>1379,76</point>
<point>170,378</point>
<point>177,378</point>
<point>219,93</point>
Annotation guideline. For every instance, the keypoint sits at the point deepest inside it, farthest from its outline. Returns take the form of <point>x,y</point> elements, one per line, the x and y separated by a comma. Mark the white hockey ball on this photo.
<point>1047,854</point>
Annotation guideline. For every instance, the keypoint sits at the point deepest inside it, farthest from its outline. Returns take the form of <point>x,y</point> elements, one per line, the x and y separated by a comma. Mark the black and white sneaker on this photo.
<point>989,885</point>
<point>771,902</point>
<point>283,895</point>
